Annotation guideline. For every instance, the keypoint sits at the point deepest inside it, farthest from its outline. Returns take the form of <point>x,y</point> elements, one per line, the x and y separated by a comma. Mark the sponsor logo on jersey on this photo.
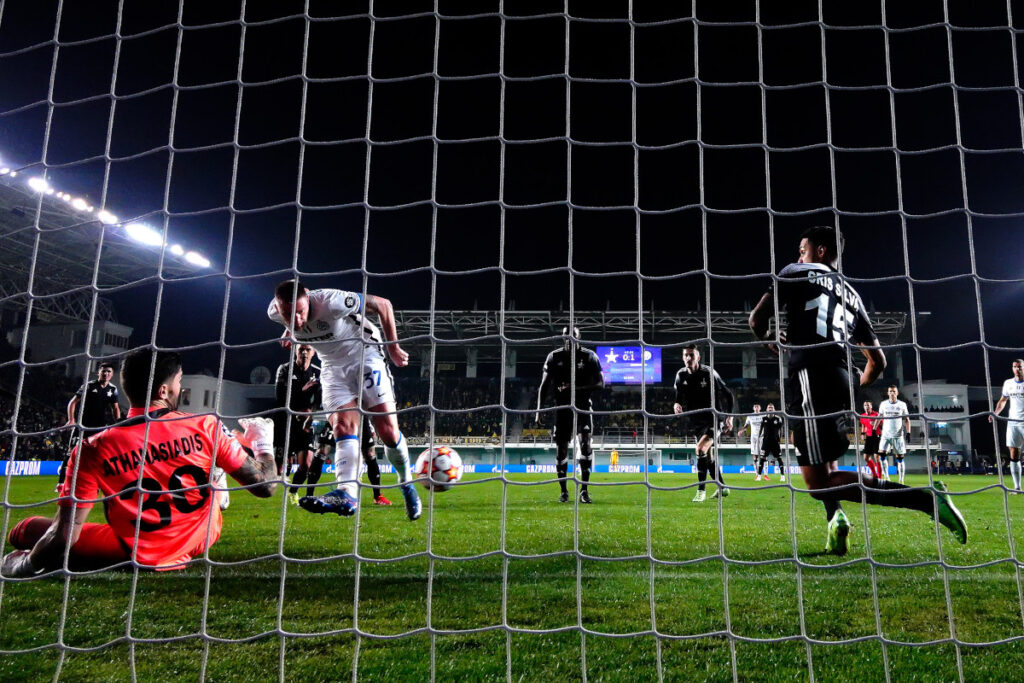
<point>321,325</point>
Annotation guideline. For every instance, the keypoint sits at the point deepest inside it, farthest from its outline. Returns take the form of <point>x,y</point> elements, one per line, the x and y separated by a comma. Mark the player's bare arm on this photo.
<point>48,552</point>
<point>1000,404</point>
<point>544,382</point>
<point>72,409</point>
<point>875,363</point>
<point>386,312</point>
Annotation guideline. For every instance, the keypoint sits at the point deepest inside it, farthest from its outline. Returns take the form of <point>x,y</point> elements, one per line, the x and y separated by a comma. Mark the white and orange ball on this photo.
<point>438,468</point>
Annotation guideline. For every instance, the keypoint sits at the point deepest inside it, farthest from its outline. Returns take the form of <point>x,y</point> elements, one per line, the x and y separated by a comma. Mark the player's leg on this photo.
<point>380,401</point>
<point>901,467</point>
<point>586,455</point>
<point>704,464</point>
<point>344,499</point>
<point>563,435</point>
<point>305,459</point>
<point>758,457</point>
<point>316,469</point>
<point>369,449</point>
<point>1015,464</point>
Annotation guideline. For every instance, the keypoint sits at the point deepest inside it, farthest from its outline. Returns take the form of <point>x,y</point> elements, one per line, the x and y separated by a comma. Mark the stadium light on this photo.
<point>140,232</point>
<point>177,250</point>
<point>38,184</point>
<point>197,259</point>
<point>79,203</point>
<point>106,217</point>
<point>4,170</point>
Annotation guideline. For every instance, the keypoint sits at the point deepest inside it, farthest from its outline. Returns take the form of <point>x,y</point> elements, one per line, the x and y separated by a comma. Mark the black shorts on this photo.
<point>564,424</point>
<point>771,450</point>
<point>299,440</point>
<point>871,444</point>
<point>817,391</point>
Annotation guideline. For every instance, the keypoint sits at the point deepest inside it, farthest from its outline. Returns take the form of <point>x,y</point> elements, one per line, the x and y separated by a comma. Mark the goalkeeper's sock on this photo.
<point>702,473</point>
<point>346,464</point>
<point>314,476</point>
<point>299,477</point>
<point>398,456</point>
<point>373,474</point>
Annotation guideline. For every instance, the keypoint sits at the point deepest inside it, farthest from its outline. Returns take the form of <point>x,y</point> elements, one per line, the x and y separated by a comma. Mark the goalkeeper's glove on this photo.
<point>259,433</point>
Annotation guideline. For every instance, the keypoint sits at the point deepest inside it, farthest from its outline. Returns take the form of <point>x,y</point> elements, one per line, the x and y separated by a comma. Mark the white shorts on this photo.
<point>893,444</point>
<point>1015,435</point>
<point>755,448</point>
<point>370,381</point>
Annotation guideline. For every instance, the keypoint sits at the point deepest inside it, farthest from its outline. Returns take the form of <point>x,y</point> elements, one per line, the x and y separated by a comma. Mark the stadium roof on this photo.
<point>63,268</point>
<point>659,327</point>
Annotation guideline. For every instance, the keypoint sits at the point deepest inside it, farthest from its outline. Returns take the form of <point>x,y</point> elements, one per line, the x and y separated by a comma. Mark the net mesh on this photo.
<point>677,65</point>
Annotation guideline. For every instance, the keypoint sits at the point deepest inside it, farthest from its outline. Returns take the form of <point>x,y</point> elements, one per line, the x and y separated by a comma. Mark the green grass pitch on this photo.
<point>690,596</point>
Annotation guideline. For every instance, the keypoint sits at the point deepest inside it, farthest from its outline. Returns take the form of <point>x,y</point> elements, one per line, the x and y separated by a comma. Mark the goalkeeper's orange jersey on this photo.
<point>177,517</point>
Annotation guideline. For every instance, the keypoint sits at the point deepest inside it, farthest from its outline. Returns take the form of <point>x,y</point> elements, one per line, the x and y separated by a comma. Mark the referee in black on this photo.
<point>572,361</point>
<point>304,378</point>
<point>699,387</point>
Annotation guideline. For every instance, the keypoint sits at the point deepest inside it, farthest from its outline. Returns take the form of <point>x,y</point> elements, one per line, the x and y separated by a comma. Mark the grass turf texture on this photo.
<point>700,598</point>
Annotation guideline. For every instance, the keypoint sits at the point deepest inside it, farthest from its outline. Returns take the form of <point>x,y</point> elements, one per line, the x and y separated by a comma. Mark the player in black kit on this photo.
<point>305,398</point>
<point>99,403</point>
<point>699,387</point>
<point>563,366</point>
<point>771,433</point>
<point>822,309</point>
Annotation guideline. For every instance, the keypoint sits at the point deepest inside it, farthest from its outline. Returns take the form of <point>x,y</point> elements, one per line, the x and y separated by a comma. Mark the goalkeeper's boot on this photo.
<point>337,501</point>
<point>564,498</point>
<point>381,500</point>
<point>413,506</point>
<point>720,491</point>
<point>700,497</point>
<point>838,541</point>
<point>949,516</point>
<point>585,497</point>
<point>294,497</point>
<point>783,478</point>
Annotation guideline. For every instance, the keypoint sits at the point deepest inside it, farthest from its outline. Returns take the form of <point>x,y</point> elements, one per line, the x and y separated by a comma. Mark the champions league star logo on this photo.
<point>611,356</point>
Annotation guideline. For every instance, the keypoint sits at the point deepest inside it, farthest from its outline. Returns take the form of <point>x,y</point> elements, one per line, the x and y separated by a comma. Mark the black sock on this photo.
<point>562,470</point>
<point>373,474</point>
<point>913,499</point>
<point>315,470</point>
<point>584,472</point>
<point>299,477</point>
<point>831,505</point>
<point>702,472</point>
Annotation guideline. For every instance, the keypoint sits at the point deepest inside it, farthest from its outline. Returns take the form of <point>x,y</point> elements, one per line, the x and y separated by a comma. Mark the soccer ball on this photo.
<point>438,468</point>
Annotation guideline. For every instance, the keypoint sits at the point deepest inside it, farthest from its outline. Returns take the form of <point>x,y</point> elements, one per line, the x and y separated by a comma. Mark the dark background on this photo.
<point>538,160</point>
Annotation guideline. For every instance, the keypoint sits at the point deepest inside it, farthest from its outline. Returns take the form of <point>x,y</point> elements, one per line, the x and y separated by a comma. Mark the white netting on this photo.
<point>689,135</point>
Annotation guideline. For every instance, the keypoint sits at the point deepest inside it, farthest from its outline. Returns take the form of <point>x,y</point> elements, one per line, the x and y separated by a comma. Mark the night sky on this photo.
<point>720,129</point>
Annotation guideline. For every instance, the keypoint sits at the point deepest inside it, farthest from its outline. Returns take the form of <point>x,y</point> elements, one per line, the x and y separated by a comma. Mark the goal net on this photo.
<point>499,171</point>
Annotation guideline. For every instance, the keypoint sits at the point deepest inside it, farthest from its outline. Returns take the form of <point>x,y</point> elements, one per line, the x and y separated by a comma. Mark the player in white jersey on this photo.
<point>354,375</point>
<point>754,422</point>
<point>1013,393</point>
<point>893,416</point>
